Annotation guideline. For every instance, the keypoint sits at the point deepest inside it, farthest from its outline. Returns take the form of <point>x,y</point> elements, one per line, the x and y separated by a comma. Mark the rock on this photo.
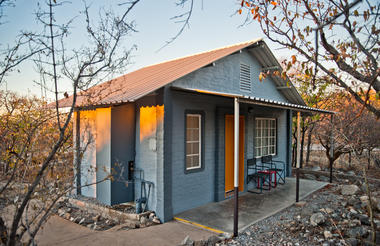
<point>143,220</point>
<point>324,178</point>
<point>306,211</point>
<point>310,176</point>
<point>352,241</point>
<point>377,205</point>
<point>364,219</point>
<point>348,190</point>
<point>96,218</point>
<point>326,210</point>
<point>343,203</point>
<point>151,216</point>
<point>363,198</point>
<point>317,219</point>
<point>60,212</point>
<point>213,240</point>
<point>327,234</point>
<point>199,243</point>
<point>357,232</point>
<point>156,220</point>
<point>316,168</point>
<point>377,237</point>
<point>352,173</point>
<point>353,211</point>
<point>300,204</point>
<point>187,241</point>
<point>66,216</point>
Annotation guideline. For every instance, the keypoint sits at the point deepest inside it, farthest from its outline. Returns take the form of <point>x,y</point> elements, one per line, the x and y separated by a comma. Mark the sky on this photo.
<point>213,24</point>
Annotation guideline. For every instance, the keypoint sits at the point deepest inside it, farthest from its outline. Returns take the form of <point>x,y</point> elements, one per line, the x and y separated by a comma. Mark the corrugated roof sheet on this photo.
<point>139,83</point>
<point>262,101</point>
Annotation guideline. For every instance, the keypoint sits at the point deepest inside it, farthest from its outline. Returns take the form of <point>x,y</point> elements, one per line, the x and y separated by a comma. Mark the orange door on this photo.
<point>229,153</point>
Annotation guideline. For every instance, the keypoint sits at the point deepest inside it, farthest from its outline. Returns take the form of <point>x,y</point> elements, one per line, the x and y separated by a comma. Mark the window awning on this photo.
<point>261,101</point>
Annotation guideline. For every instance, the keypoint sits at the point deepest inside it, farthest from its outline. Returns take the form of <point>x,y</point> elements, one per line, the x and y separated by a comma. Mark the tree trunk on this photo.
<point>3,232</point>
<point>294,156</point>
<point>331,162</point>
<point>302,144</point>
<point>369,158</point>
<point>349,159</point>
<point>308,144</point>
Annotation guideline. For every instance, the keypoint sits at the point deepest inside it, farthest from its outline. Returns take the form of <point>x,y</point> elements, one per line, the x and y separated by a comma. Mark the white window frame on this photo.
<point>199,140</point>
<point>269,136</point>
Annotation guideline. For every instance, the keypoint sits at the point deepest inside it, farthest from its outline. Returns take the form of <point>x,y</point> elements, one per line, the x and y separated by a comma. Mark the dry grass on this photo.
<point>318,158</point>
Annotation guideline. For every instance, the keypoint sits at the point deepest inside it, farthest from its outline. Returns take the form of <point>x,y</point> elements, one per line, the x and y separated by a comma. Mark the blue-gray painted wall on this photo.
<point>149,157</point>
<point>122,151</point>
<point>193,189</point>
<point>225,77</point>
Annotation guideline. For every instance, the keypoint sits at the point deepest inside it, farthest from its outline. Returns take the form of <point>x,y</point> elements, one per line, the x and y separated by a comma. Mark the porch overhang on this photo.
<point>261,101</point>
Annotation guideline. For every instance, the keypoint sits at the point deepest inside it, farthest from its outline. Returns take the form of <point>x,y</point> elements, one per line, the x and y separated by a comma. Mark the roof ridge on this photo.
<point>200,53</point>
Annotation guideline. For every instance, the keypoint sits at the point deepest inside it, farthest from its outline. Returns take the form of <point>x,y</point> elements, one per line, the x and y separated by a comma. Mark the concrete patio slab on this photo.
<point>252,207</point>
<point>58,231</point>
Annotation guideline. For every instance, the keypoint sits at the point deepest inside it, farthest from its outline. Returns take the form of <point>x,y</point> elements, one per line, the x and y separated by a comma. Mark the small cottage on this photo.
<point>166,132</point>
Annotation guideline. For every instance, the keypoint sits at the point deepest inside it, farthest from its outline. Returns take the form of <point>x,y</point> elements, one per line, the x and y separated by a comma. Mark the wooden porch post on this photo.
<point>331,146</point>
<point>298,155</point>
<point>236,164</point>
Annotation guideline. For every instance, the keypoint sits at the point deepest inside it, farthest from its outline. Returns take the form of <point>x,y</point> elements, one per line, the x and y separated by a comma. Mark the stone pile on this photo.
<point>335,215</point>
<point>103,218</point>
<point>211,241</point>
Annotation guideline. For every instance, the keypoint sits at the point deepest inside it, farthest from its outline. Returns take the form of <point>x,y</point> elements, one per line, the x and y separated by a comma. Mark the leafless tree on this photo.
<point>99,57</point>
<point>338,41</point>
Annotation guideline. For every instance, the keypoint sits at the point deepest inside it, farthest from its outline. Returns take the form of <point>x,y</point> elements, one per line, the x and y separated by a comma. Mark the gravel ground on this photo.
<point>343,221</point>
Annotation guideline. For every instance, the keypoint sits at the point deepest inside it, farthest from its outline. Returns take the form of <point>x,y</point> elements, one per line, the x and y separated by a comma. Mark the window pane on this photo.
<point>265,142</point>
<point>195,160</point>
<point>258,152</point>
<point>272,150</point>
<point>192,135</point>
<point>192,121</point>
<point>195,133</point>
<point>189,149</point>
<point>264,151</point>
<point>272,141</point>
<point>188,161</point>
<point>195,148</point>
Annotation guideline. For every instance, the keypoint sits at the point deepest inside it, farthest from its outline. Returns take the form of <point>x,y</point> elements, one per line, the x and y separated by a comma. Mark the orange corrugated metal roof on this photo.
<point>139,83</point>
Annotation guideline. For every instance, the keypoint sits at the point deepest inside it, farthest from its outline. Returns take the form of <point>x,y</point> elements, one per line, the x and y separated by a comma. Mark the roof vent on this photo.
<point>245,77</point>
